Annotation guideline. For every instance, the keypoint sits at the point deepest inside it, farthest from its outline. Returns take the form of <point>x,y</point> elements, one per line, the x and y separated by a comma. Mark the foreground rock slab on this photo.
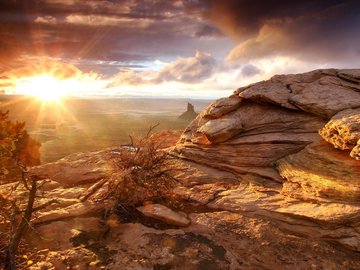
<point>165,214</point>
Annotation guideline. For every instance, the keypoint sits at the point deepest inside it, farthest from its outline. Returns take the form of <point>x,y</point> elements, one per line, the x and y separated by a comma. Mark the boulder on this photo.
<point>343,130</point>
<point>165,214</point>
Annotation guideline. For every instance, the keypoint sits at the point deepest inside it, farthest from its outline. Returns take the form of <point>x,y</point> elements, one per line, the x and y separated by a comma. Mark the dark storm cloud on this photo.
<point>322,30</point>
<point>132,32</point>
<point>208,31</point>
<point>123,30</point>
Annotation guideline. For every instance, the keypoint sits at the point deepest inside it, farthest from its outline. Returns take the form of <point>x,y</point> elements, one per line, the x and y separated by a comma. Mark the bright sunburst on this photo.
<point>44,87</point>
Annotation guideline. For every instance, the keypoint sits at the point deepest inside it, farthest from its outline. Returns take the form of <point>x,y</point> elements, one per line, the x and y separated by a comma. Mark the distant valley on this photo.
<point>89,124</point>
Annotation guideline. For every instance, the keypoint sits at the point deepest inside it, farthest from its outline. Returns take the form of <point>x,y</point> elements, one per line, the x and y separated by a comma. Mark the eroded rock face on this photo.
<point>269,132</point>
<point>322,171</point>
<point>267,121</point>
<point>355,152</point>
<point>343,131</point>
<point>320,92</point>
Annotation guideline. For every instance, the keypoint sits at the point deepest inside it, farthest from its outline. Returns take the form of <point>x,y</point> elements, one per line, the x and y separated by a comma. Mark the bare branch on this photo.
<point>151,129</point>
<point>38,208</point>
<point>20,230</point>
<point>93,189</point>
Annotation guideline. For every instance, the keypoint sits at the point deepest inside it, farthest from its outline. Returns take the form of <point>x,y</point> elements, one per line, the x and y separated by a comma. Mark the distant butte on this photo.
<point>189,114</point>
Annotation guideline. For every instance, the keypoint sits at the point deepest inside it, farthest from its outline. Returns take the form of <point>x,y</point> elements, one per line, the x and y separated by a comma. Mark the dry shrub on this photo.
<point>17,151</point>
<point>10,216</point>
<point>7,216</point>
<point>144,173</point>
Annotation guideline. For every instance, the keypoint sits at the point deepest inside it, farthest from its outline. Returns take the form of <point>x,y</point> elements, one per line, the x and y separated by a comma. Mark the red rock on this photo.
<point>165,214</point>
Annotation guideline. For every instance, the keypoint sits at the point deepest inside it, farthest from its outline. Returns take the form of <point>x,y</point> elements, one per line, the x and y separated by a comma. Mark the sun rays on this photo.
<point>44,94</point>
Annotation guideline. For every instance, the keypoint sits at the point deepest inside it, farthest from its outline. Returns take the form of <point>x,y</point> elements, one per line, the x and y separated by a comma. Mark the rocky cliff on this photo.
<point>269,179</point>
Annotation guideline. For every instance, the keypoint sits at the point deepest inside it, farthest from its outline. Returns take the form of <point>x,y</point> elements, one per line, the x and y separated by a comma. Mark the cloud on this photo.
<point>192,69</point>
<point>127,76</point>
<point>250,70</point>
<point>46,20</point>
<point>270,41</point>
<point>35,67</point>
<point>71,78</point>
<point>317,31</point>
<point>126,37</point>
<point>99,20</point>
<point>183,70</point>
<point>208,31</point>
<point>99,30</point>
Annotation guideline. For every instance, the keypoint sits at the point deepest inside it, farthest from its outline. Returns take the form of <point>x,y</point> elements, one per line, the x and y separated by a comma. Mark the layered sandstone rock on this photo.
<point>268,135</point>
<point>234,225</point>
<point>78,168</point>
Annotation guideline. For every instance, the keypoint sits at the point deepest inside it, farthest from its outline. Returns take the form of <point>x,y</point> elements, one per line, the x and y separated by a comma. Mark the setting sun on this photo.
<point>44,87</point>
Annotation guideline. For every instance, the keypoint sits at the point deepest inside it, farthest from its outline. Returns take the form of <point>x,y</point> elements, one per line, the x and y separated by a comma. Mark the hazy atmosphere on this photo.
<point>179,135</point>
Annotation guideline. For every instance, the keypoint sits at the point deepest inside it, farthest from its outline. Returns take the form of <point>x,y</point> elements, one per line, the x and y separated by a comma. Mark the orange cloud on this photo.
<point>45,20</point>
<point>271,40</point>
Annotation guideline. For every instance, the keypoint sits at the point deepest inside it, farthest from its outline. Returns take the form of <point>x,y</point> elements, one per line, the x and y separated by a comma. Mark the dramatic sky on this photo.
<point>194,48</point>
